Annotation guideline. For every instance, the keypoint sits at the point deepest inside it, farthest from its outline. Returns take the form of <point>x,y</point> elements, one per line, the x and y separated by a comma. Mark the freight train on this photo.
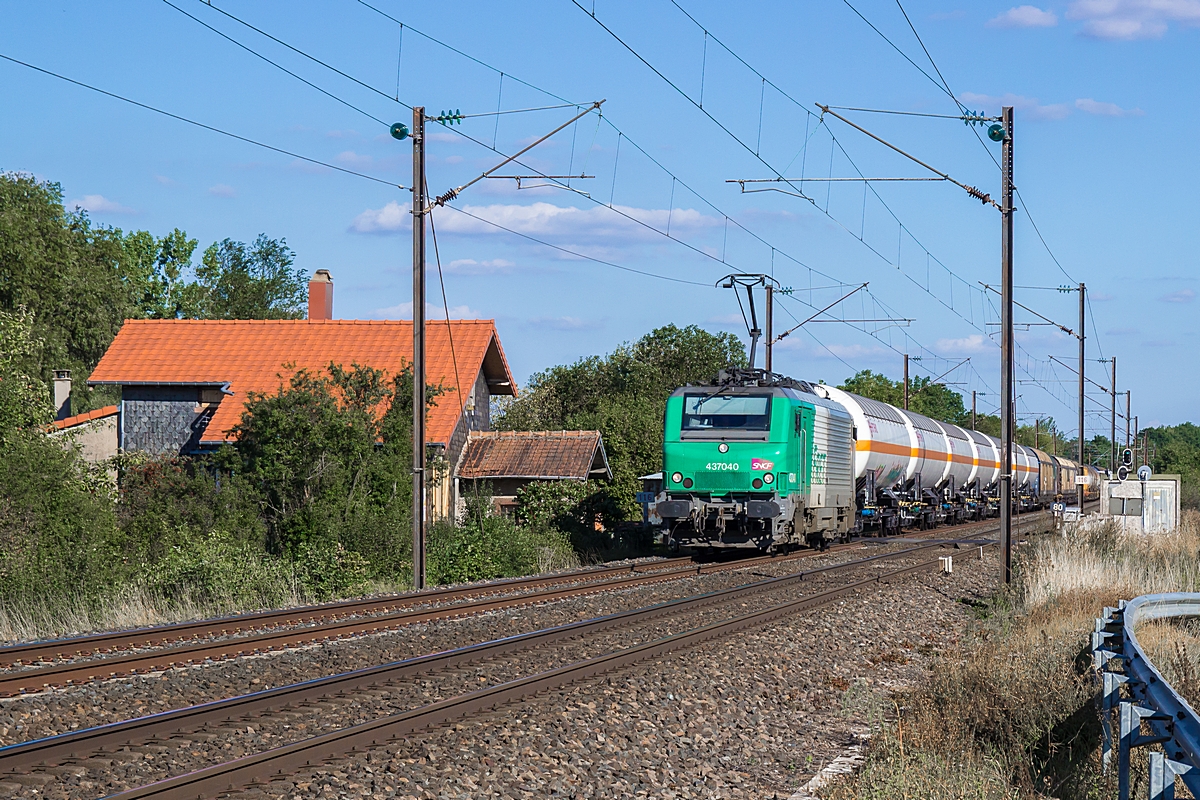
<point>758,460</point>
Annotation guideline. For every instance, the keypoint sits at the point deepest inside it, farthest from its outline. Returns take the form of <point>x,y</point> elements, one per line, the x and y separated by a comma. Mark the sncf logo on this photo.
<point>762,464</point>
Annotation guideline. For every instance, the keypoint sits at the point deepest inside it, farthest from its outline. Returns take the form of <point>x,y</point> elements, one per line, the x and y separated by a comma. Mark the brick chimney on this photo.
<point>62,393</point>
<point>320,295</point>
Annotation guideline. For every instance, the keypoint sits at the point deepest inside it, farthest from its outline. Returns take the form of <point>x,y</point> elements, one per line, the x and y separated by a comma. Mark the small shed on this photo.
<point>1137,506</point>
<point>509,460</point>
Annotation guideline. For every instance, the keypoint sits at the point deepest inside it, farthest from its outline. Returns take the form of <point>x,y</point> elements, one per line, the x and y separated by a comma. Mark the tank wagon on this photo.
<point>761,460</point>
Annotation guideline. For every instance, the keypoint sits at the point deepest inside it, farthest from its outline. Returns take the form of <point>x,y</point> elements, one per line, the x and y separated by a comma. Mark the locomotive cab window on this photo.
<point>726,412</point>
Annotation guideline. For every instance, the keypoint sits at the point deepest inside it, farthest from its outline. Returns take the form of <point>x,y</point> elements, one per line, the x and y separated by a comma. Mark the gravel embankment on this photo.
<point>783,698</point>
<point>753,716</point>
<point>60,710</point>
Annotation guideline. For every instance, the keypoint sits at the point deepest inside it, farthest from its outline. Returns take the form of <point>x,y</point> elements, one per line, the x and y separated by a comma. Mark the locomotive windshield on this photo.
<point>705,412</point>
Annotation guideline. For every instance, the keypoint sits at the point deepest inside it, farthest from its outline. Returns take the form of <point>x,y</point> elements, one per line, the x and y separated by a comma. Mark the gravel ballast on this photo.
<point>757,712</point>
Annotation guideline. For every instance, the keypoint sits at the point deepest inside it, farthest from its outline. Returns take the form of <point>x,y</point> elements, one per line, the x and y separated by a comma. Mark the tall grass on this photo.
<point>1010,713</point>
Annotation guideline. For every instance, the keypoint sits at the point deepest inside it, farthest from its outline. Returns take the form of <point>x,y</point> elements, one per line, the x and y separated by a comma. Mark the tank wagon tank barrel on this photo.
<point>755,459</point>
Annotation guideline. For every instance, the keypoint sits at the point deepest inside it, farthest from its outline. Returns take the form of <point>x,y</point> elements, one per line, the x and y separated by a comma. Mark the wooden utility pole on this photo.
<point>1006,346</point>
<point>418,363</point>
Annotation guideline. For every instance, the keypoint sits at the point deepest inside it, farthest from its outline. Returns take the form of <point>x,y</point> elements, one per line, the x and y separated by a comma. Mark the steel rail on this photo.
<point>31,680</point>
<point>281,761</point>
<point>162,634</point>
<point>76,744</point>
<point>1148,698</point>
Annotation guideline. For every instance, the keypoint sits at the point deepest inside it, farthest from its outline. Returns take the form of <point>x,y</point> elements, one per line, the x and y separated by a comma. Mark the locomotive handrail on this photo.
<point>1148,698</point>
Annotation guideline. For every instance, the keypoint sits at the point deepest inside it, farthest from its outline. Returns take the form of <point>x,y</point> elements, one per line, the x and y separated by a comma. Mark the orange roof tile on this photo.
<point>534,454</point>
<point>87,416</point>
<point>250,356</point>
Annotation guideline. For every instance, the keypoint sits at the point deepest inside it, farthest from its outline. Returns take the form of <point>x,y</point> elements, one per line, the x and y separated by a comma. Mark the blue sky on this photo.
<point>1104,163</point>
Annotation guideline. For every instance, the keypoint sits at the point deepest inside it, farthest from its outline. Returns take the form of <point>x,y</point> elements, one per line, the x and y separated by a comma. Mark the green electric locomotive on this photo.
<point>756,460</point>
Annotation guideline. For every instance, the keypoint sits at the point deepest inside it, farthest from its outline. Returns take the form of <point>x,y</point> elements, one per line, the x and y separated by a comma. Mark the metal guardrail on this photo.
<point>1147,700</point>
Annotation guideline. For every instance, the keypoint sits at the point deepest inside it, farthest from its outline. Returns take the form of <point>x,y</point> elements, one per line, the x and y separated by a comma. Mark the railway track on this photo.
<point>99,745</point>
<point>325,623</point>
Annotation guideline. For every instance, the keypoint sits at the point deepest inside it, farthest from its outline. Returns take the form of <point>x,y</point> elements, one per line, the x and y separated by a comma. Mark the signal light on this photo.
<point>687,483</point>
<point>768,478</point>
<point>1122,472</point>
<point>1127,457</point>
<point>757,483</point>
<point>677,477</point>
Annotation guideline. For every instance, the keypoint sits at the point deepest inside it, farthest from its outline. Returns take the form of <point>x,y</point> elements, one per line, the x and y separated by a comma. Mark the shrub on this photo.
<point>58,534</point>
<point>487,545</point>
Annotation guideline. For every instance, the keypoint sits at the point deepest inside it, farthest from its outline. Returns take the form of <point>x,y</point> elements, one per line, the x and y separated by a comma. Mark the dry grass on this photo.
<point>130,607</point>
<point>1011,714</point>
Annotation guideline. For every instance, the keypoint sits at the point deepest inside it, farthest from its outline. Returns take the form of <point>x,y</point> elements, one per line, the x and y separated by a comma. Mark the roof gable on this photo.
<point>544,455</point>
<point>259,356</point>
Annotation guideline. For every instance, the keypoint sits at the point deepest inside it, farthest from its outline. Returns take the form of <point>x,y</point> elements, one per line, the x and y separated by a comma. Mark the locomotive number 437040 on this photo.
<point>722,466</point>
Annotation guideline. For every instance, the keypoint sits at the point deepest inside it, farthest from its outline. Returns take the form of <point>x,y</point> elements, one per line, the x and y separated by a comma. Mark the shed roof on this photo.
<point>541,455</point>
<point>85,417</point>
<point>259,356</point>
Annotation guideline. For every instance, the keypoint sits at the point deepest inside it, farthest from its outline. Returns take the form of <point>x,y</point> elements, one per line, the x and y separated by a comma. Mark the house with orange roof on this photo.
<point>184,383</point>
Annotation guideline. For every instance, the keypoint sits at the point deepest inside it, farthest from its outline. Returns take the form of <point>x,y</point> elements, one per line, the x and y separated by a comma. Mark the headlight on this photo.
<point>756,483</point>
<point>677,477</point>
<point>768,478</point>
<point>687,483</point>
<point>723,448</point>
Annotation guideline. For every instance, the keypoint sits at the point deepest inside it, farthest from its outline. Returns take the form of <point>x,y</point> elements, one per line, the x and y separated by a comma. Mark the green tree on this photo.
<point>65,271</point>
<point>330,455</point>
<point>24,399</point>
<point>156,272</point>
<point>623,395</point>
<point>257,281</point>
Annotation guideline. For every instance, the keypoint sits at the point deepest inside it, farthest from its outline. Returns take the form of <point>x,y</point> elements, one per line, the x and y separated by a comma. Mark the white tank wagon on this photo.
<point>910,469</point>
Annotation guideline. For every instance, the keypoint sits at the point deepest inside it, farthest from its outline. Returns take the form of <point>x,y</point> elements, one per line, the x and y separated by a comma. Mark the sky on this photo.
<point>697,95</point>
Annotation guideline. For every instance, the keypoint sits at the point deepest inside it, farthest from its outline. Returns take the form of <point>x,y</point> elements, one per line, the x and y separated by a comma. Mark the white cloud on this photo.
<point>1027,105</point>
<point>726,319</point>
<point>222,190</point>
<point>1024,17</point>
<point>1090,106</point>
<point>543,220</point>
<point>392,218</point>
<point>566,323</point>
<point>967,345</point>
<point>1181,296</point>
<point>568,222</point>
<point>353,159</point>
<point>404,311</point>
<point>490,266</point>
<point>99,204</point>
<point>1132,19</point>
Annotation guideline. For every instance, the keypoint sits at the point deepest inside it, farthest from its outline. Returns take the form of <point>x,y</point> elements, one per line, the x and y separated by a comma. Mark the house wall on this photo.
<point>163,419</point>
<point>96,440</point>
<point>446,503</point>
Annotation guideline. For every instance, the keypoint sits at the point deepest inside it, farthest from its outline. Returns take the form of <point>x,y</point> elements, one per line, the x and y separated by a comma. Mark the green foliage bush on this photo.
<point>573,508</point>
<point>487,545</point>
<point>58,532</point>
